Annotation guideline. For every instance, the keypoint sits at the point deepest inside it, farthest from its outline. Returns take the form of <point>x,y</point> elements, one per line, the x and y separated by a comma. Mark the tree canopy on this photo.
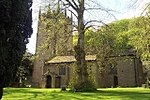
<point>118,37</point>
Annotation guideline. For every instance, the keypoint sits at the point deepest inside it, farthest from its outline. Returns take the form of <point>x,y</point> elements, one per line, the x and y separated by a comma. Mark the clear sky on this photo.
<point>122,9</point>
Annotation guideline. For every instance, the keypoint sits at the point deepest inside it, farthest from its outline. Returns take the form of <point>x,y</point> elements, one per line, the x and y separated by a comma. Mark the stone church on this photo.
<point>55,64</point>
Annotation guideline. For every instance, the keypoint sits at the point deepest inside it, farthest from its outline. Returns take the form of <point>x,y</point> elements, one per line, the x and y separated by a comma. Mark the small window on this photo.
<point>62,71</point>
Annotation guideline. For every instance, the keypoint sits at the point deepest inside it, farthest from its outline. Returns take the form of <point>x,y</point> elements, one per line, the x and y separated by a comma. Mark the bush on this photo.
<point>85,86</point>
<point>63,88</point>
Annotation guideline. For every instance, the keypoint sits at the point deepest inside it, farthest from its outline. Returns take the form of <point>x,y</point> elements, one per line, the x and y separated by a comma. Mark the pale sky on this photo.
<point>123,9</point>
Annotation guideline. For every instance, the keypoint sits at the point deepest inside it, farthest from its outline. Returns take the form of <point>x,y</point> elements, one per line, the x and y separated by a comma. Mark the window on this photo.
<point>62,71</point>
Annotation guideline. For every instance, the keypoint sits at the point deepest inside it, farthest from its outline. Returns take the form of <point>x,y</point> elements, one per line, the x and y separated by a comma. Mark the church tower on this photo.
<point>54,38</point>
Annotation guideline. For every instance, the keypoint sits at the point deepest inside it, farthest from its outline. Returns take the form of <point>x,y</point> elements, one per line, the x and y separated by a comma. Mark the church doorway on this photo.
<point>48,81</point>
<point>58,82</point>
<point>115,81</point>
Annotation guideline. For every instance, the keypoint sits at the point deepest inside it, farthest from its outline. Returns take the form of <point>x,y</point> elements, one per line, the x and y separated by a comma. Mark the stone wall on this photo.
<point>129,70</point>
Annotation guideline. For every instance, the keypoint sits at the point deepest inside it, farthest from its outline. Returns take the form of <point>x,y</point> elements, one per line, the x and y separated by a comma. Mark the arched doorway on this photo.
<point>48,81</point>
<point>115,81</point>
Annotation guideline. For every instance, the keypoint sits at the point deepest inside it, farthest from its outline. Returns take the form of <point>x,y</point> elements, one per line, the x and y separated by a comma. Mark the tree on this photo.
<point>26,68</point>
<point>78,8</point>
<point>139,37</point>
<point>120,36</point>
<point>15,29</point>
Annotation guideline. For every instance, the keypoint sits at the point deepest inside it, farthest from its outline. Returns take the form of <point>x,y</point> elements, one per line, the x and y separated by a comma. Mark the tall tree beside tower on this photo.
<point>82,72</point>
<point>82,83</point>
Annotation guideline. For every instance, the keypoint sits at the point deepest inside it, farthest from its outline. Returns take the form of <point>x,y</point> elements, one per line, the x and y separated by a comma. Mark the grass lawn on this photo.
<point>56,94</point>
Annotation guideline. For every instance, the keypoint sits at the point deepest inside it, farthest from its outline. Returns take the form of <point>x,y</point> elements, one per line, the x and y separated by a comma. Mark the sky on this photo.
<point>121,9</point>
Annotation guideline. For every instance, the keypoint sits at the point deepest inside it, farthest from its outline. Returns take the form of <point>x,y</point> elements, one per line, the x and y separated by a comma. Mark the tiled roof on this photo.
<point>69,59</point>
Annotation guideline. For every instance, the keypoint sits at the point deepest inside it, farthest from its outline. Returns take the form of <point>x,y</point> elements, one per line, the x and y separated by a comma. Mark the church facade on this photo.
<point>55,64</point>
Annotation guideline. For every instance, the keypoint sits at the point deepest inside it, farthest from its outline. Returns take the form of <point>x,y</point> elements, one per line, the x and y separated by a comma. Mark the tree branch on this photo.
<point>75,4</point>
<point>73,13</point>
<point>74,7</point>
<point>90,27</point>
<point>145,9</point>
<point>103,9</point>
<point>95,21</point>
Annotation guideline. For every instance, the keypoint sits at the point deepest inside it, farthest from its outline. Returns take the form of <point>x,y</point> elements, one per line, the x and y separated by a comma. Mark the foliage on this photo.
<point>89,85</point>
<point>84,86</point>
<point>134,34</point>
<point>139,36</point>
<point>119,37</point>
<point>15,29</point>
<point>26,68</point>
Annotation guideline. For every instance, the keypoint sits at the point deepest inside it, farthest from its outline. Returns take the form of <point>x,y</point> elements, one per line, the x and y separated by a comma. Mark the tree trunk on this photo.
<point>83,82</point>
<point>1,84</point>
<point>81,62</point>
<point>1,93</point>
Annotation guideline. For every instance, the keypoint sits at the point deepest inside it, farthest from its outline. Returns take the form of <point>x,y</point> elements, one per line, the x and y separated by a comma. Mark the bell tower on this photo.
<point>54,38</point>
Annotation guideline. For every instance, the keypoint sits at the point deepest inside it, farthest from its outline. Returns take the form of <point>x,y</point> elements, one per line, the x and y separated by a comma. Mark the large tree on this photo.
<point>78,8</point>
<point>15,29</point>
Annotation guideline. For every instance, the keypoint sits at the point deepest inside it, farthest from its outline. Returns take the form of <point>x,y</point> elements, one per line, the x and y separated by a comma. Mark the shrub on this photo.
<point>84,86</point>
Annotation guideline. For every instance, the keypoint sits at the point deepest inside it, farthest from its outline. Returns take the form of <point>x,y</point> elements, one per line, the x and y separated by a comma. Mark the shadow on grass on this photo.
<point>102,94</point>
<point>47,94</point>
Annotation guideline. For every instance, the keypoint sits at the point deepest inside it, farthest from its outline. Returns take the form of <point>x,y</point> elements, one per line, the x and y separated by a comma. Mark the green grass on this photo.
<point>56,94</point>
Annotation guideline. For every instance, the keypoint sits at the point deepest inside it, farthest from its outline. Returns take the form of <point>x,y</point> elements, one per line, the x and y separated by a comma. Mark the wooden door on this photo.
<point>115,81</point>
<point>48,81</point>
<point>58,82</point>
